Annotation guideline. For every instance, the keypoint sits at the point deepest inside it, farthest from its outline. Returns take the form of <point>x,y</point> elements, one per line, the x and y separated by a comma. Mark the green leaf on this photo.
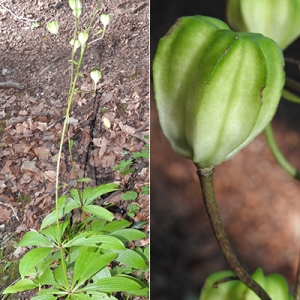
<point>144,153</point>
<point>116,225</point>
<point>92,295</point>
<point>98,225</point>
<point>121,270</point>
<point>133,207</point>
<point>62,200</point>
<point>145,189</point>
<point>33,238</point>
<point>35,25</point>
<point>104,273</point>
<point>124,164</point>
<point>51,218</point>
<point>139,224</point>
<point>287,95</point>
<point>72,256</point>
<point>47,278</point>
<point>127,171</point>
<point>59,274</point>
<point>129,195</point>
<point>79,296</point>
<point>51,231</point>
<point>44,297</point>
<point>90,194</point>
<point>143,253</point>
<point>85,266</point>
<point>24,284</point>
<point>83,179</point>
<point>98,211</point>
<point>71,144</point>
<point>32,258</point>
<point>45,293</point>
<point>147,252</point>
<point>97,240</point>
<point>127,235</point>
<point>131,259</point>
<point>75,195</point>
<point>114,284</point>
<point>130,214</point>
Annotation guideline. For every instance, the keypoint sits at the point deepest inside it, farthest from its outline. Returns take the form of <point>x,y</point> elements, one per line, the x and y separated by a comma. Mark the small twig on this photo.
<point>292,60</point>
<point>279,157</point>
<point>11,84</point>
<point>19,18</point>
<point>96,40</point>
<point>207,185</point>
<point>55,122</point>
<point>139,7</point>
<point>137,133</point>
<point>142,127</point>
<point>226,279</point>
<point>293,84</point>
<point>11,207</point>
<point>45,70</point>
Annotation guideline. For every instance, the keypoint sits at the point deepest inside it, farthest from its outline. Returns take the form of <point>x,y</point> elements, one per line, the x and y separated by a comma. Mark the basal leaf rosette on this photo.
<point>215,89</point>
<point>276,19</point>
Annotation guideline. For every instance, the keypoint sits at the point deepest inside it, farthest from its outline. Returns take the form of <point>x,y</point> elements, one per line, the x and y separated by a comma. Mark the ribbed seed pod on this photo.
<point>276,19</point>
<point>215,90</point>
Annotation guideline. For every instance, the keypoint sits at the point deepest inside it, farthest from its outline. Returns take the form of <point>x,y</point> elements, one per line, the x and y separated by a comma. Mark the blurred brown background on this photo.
<point>259,203</point>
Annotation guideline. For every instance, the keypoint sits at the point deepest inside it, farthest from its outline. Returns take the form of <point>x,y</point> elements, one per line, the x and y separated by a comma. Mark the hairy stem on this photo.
<point>280,158</point>
<point>206,181</point>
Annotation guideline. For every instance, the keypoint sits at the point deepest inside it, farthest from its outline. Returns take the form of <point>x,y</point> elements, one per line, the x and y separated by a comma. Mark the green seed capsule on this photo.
<point>276,19</point>
<point>215,89</point>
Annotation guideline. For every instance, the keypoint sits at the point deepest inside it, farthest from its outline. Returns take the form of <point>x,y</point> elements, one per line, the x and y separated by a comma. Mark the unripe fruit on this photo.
<point>215,89</point>
<point>276,19</point>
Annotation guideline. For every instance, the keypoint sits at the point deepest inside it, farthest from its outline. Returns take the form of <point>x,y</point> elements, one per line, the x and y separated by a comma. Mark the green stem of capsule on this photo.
<point>205,176</point>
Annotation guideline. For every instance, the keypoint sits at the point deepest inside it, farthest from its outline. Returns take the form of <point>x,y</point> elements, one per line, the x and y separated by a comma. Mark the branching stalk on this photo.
<point>74,77</point>
<point>206,181</point>
<point>280,158</point>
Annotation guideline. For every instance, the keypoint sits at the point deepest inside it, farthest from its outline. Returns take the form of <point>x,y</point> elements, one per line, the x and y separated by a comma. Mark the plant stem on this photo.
<point>293,84</point>
<point>206,181</point>
<point>287,95</point>
<point>279,157</point>
<point>297,288</point>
